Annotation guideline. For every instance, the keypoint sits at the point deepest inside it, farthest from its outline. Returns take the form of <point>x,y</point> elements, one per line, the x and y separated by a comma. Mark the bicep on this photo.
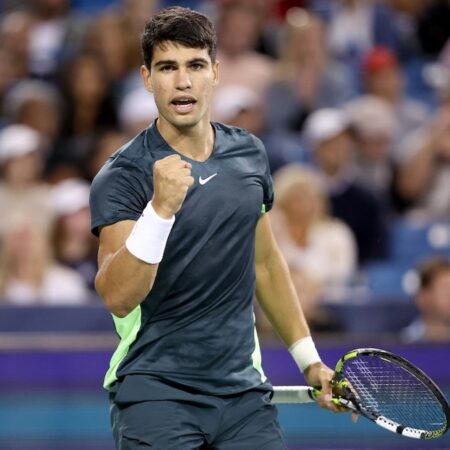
<point>266,248</point>
<point>112,239</point>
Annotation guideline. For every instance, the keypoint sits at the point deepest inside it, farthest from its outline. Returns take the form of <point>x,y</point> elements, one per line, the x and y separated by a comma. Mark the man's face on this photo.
<point>182,81</point>
<point>333,154</point>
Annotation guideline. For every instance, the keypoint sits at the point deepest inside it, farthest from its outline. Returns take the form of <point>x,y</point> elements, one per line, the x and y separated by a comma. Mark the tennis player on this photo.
<point>185,242</point>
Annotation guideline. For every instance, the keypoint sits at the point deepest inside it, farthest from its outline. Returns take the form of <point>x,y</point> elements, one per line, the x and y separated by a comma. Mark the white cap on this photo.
<point>372,117</point>
<point>18,140</point>
<point>324,124</point>
<point>136,107</point>
<point>230,100</point>
<point>70,196</point>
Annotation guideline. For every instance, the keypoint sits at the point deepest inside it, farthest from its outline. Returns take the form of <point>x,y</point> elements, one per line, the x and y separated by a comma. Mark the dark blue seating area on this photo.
<point>410,243</point>
<point>390,281</point>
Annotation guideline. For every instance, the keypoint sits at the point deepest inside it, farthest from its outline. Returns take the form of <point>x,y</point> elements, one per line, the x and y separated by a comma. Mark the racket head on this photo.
<point>393,392</point>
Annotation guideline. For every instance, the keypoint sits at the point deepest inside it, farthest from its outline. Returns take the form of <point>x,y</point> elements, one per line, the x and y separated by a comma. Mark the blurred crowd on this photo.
<point>350,97</point>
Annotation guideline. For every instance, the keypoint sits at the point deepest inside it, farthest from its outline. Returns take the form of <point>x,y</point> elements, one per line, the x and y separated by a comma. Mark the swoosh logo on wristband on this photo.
<point>203,181</point>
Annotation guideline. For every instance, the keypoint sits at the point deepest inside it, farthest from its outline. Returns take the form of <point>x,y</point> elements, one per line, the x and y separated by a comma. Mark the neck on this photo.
<point>195,142</point>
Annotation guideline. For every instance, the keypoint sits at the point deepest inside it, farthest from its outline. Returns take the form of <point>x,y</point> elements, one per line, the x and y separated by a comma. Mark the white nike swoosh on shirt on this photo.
<point>204,181</point>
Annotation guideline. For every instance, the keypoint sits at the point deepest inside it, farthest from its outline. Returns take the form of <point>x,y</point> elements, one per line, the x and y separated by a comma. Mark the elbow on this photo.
<point>113,303</point>
<point>118,310</point>
<point>119,301</point>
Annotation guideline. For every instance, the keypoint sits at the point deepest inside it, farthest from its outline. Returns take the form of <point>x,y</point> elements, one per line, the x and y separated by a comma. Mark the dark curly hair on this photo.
<point>182,25</point>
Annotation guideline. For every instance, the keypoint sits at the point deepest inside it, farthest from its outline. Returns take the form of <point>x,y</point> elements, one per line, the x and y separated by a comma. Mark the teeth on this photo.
<point>183,101</point>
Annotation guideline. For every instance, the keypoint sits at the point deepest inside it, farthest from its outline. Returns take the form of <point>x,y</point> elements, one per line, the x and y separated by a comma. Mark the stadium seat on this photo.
<point>410,241</point>
<point>390,281</point>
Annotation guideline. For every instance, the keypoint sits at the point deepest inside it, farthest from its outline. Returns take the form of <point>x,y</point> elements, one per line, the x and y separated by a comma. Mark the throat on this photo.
<point>196,143</point>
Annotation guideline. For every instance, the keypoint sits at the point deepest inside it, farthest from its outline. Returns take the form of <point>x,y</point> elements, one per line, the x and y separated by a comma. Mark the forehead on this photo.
<point>175,51</point>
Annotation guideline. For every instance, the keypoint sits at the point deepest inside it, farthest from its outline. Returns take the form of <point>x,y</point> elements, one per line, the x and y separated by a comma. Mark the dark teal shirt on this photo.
<point>196,326</point>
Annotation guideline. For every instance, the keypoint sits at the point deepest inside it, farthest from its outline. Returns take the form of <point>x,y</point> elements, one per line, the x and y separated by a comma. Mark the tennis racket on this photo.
<point>384,388</point>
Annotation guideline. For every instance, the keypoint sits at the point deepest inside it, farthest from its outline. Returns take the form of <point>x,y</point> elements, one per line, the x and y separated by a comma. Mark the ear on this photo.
<point>215,69</point>
<point>146,77</point>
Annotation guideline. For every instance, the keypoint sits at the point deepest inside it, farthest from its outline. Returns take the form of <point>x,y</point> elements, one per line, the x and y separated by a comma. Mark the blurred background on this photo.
<point>352,101</point>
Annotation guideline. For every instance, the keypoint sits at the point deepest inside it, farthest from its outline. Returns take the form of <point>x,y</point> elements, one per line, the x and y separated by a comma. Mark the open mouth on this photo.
<point>183,105</point>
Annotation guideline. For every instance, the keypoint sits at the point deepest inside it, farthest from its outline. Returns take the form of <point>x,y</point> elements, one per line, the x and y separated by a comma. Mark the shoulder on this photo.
<point>135,158</point>
<point>141,149</point>
<point>238,136</point>
<point>124,185</point>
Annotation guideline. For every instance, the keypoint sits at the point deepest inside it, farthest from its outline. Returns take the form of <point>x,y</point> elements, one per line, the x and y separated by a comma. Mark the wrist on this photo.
<point>147,241</point>
<point>304,353</point>
<point>160,210</point>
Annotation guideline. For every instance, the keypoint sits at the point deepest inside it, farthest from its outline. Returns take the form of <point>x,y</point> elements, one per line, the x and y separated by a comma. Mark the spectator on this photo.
<point>424,164</point>
<point>238,32</point>
<point>136,111</point>
<point>15,30</point>
<point>90,107</point>
<point>56,33</point>
<point>239,106</point>
<point>36,104</point>
<point>433,303</point>
<point>135,14</point>
<point>328,134</point>
<point>434,26</point>
<point>405,18</point>
<point>109,40</point>
<point>8,75</point>
<point>23,192</point>
<point>90,103</point>
<point>306,77</point>
<point>28,274</point>
<point>374,127</point>
<point>320,250</point>
<point>74,245</point>
<point>106,144</point>
<point>383,77</point>
<point>356,26</point>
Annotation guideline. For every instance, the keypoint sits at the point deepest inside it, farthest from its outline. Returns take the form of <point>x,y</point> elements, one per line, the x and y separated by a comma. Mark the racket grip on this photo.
<point>293,394</point>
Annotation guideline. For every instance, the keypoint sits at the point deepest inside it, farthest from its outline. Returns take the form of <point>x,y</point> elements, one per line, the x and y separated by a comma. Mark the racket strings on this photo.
<point>385,388</point>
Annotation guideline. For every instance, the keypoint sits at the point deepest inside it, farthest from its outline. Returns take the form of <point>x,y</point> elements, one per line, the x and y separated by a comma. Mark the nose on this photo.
<point>183,80</point>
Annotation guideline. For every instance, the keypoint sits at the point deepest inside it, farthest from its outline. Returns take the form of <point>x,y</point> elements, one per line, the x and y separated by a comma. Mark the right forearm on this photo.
<point>124,281</point>
<point>130,252</point>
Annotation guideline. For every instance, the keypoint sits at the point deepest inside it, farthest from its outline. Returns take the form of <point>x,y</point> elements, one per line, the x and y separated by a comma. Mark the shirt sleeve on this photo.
<point>266,177</point>
<point>120,191</point>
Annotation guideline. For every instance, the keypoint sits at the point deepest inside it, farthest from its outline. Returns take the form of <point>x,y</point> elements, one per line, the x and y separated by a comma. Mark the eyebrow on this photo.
<point>172,62</point>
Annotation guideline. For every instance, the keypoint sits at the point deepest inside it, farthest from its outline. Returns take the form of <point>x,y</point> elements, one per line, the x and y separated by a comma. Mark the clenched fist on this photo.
<point>171,181</point>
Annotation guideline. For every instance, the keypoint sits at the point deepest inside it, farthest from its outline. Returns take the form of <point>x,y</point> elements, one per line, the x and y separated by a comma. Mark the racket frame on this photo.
<point>307,394</point>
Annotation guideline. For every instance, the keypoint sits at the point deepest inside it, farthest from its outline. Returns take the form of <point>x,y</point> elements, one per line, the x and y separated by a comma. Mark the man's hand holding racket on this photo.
<point>320,375</point>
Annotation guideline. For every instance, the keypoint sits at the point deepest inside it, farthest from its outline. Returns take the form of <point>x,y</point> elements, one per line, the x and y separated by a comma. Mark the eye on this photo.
<point>167,68</point>
<point>197,66</point>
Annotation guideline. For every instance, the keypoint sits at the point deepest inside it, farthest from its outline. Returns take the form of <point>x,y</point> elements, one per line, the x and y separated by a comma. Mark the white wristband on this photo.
<point>304,352</point>
<point>148,238</point>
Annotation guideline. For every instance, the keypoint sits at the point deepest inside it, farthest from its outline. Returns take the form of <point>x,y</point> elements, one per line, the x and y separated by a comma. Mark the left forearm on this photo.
<point>278,298</point>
